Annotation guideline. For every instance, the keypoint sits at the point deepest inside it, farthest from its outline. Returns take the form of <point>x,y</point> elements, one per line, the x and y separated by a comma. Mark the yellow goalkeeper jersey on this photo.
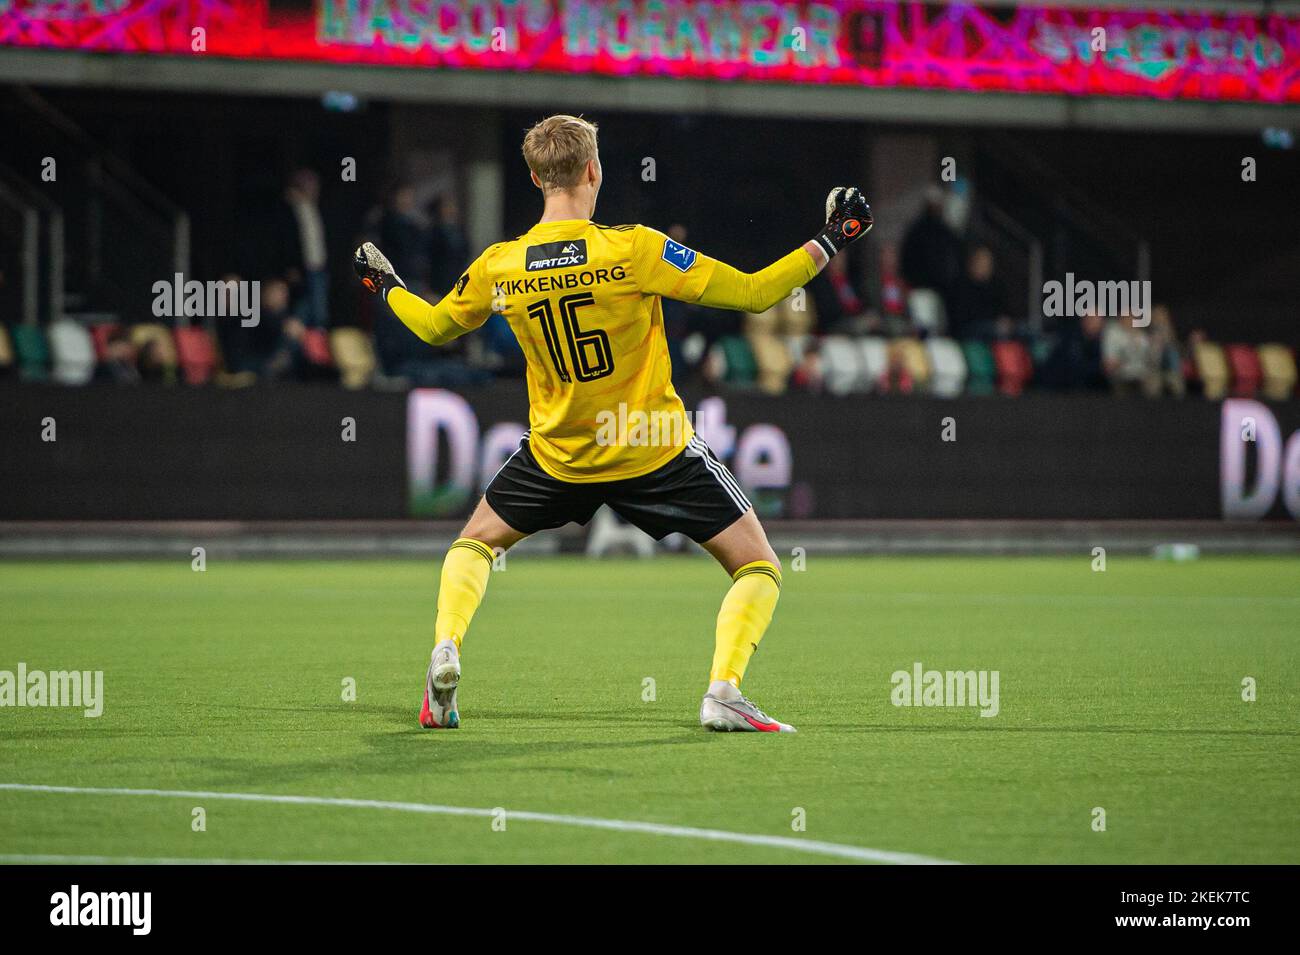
<point>584,302</point>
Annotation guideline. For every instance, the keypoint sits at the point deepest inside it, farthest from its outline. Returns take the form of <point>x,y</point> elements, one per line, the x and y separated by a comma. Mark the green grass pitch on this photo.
<point>1120,690</point>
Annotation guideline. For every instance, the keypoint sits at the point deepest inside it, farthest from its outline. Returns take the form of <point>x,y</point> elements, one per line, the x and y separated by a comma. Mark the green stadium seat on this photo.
<point>33,352</point>
<point>981,372</point>
<point>739,367</point>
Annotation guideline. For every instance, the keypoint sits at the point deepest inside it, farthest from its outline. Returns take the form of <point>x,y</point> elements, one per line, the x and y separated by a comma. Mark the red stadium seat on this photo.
<point>197,355</point>
<point>316,347</point>
<point>101,334</point>
<point>1247,372</point>
<point>1014,366</point>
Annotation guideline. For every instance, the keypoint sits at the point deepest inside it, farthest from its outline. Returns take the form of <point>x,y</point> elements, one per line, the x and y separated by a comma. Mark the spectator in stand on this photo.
<point>889,293</point>
<point>119,364</point>
<point>807,373</point>
<point>301,255</point>
<point>977,307</point>
<point>1192,374</point>
<point>405,240</point>
<point>152,363</point>
<point>277,337</point>
<point>271,349</point>
<point>841,310</point>
<point>897,377</point>
<point>769,335</point>
<point>1127,358</point>
<point>931,250</point>
<point>448,244</point>
<point>1075,361</point>
<point>1168,356</point>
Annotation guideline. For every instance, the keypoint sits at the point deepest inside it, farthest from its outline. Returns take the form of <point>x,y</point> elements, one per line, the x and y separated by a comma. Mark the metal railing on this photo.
<point>1094,232</point>
<point>1019,255</point>
<point>121,234</point>
<point>37,214</point>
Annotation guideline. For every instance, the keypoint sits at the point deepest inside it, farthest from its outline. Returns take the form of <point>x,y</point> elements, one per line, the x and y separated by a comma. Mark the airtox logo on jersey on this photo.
<point>677,255</point>
<point>556,255</point>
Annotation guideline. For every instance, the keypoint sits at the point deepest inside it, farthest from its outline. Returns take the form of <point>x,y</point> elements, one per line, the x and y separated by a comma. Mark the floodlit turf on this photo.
<point>1120,690</point>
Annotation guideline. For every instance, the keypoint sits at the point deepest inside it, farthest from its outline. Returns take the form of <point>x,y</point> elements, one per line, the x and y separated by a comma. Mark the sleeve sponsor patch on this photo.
<point>461,283</point>
<point>678,255</point>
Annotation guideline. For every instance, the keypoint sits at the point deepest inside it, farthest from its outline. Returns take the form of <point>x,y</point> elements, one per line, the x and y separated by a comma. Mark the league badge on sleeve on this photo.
<point>677,255</point>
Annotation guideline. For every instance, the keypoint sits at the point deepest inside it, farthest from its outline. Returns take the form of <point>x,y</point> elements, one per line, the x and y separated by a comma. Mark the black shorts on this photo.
<point>693,494</point>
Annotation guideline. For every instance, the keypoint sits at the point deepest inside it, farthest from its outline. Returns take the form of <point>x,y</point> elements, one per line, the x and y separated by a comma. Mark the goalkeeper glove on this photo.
<point>848,217</point>
<point>375,270</point>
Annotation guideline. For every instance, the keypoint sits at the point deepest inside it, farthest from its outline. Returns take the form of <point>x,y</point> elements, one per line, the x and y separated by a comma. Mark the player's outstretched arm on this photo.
<point>848,218</point>
<point>433,324</point>
<point>665,267</point>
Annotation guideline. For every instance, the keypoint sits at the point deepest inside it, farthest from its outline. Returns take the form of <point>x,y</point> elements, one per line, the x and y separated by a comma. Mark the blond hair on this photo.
<point>557,150</point>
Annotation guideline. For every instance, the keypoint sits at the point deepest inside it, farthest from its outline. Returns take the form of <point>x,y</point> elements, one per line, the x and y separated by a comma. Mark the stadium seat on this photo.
<point>981,372</point>
<point>842,369</point>
<point>6,350</point>
<point>1247,375</point>
<point>947,367</point>
<point>799,346</point>
<point>911,354</point>
<point>1211,368</point>
<point>316,348</point>
<point>155,334</point>
<point>197,354</point>
<point>1014,367</point>
<point>33,352</point>
<point>926,308</point>
<point>73,351</point>
<point>1278,365</point>
<point>875,361</point>
<point>101,333</point>
<point>733,360</point>
<point>355,356</point>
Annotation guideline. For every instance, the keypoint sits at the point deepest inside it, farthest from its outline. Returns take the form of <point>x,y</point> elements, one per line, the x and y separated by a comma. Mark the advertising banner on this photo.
<point>1024,48</point>
<point>319,453</point>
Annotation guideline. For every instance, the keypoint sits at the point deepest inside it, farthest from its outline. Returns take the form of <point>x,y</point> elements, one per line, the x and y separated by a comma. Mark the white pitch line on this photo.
<point>857,853</point>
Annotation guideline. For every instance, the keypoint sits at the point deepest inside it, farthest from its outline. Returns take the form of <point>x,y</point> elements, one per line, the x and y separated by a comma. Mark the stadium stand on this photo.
<point>354,355</point>
<point>948,364</point>
<point>1014,367</point>
<point>1279,368</point>
<point>1211,369</point>
<point>6,351</point>
<point>73,352</point>
<point>982,372</point>
<point>197,355</point>
<point>1247,375</point>
<point>33,352</point>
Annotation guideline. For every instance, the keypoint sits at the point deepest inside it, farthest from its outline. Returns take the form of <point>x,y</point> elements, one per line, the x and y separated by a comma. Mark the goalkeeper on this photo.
<point>584,302</point>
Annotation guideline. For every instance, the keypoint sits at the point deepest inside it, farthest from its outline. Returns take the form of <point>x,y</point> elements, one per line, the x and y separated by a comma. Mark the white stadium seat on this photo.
<point>948,367</point>
<point>926,309</point>
<point>73,352</point>
<point>842,370</point>
<point>875,360</point>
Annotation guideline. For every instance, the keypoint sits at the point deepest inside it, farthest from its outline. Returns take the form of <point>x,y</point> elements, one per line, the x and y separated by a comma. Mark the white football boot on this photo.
<point>439,710</point>
<point>724,709</point>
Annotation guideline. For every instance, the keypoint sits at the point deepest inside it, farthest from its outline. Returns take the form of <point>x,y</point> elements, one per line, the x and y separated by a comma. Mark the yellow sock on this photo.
<point>465,572</point>
<point>746,612</point>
